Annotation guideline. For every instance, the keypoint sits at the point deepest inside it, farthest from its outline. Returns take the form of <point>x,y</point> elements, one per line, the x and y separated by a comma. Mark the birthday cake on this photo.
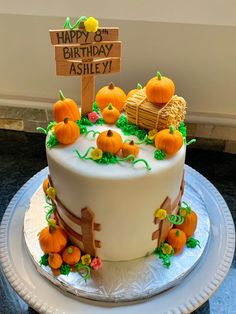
<point>116,167</point>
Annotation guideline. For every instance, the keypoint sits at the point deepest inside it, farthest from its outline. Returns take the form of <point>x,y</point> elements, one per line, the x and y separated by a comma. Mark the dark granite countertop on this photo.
<point>23,154</point>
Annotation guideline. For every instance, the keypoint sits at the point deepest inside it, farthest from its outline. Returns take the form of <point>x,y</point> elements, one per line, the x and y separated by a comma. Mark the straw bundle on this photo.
<point>145,114</point>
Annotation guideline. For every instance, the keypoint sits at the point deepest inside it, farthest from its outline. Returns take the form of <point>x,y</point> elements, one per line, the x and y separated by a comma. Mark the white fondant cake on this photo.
<point>122,196</point>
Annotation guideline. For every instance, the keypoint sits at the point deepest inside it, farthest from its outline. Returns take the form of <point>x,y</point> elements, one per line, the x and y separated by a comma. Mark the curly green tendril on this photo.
<point>76,25</point>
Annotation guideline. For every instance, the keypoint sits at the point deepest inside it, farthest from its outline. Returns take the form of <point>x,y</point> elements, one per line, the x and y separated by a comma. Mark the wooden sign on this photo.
<point>86,54</point>
<point>103,49</point>
<point>80,36</point>
<point>98,66</point>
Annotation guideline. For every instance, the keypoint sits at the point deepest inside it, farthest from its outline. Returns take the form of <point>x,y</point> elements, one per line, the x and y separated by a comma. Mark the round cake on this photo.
<point>122,197</point>
<point>116,165</point>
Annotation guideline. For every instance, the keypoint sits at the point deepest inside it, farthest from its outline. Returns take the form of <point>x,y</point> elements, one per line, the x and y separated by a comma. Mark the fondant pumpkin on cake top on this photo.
<point>169,140</point>
<point>160,89</point>
<point>130,148</point>
<point>109,142</point>
<point>65,107</point>
<point>67,131</point>
<point>110,114</point>
<point>111,94</point>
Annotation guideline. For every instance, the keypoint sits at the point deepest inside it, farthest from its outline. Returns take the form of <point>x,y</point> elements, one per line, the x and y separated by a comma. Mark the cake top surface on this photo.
<point>66,155</point>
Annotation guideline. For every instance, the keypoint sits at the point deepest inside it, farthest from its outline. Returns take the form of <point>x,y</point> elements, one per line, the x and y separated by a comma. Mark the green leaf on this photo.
<point>65,269</point>
<point>52,141</point>
<point>192,243</point>
<point>44,260</point>
<point>159,154</point>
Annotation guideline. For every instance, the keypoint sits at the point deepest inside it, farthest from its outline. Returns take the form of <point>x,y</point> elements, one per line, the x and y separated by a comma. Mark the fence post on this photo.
<point>87,223</point>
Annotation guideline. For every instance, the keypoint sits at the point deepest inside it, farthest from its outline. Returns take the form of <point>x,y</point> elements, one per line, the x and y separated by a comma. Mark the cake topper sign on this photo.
<point>86,50</point>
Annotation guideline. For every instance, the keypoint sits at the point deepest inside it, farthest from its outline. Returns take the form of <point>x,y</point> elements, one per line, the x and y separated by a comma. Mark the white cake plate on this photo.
<point>189,294</point>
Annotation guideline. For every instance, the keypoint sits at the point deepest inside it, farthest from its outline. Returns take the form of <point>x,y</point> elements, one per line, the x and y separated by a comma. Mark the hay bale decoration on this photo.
<point>145,114</point>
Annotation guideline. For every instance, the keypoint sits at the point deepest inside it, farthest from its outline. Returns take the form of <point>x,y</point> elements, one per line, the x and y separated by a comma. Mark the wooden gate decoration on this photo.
<point>86,222</point>
<point>78,52</point>
<point>164,226</point>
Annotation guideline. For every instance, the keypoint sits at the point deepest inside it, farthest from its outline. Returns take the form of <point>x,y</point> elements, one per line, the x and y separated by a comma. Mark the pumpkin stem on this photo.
<point>62,97</point>
<point>159,76</point>
<point>139,86</point>
<point>110,106</point>
<point>66,120</point>
<point>70,250</point>
<point>111,85</point>
<point>172,129</point>
<point>177,233</point>
<point>131,142</point>
<point>109,133</point>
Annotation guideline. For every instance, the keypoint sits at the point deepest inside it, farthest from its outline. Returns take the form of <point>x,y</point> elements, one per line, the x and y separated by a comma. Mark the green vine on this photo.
<point>184,211</point>
<point>84,157</point>
<point>175,219</point>
<point>84,271</point>
<point>109,158</point>
<point>76,25</point>
<point>92,131</point>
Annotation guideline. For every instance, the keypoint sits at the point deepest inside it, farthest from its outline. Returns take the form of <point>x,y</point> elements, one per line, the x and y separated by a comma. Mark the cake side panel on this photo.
<point>124,208</point>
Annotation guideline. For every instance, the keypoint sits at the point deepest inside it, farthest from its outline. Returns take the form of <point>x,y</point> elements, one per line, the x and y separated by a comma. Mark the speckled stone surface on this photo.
<point>23,154</point>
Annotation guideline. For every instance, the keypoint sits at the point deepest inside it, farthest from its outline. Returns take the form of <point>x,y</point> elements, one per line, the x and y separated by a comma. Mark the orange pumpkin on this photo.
<point>110,114</point>
<point>109,142</point>
<point>54,260</point>
<point>111,94</point>
<point>130,148</point>
<point>190,223</point>
<point>71,255</point>
<point>65,107</point>
<point>45,185</point>
<point>177,239</point>
<point>67,131</point>
<point>134,91</point>
<point>169,140</point>
<point>160,89</point>
<point>52,239</point>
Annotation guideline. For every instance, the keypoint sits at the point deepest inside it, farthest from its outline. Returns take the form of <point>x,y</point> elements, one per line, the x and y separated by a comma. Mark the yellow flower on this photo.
<point>152,134</point>
<point>86,259</point>
<point>51,192</point>
<point>96,154</point>
<point>91,25</point>
<point>167,249</point>
<point>160,213</point>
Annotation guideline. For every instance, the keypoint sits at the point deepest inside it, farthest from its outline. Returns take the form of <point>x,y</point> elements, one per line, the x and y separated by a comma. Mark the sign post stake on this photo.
<point>87,92</point>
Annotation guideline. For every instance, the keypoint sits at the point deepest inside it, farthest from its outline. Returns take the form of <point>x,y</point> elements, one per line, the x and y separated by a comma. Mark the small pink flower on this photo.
<point>96,263</point>
<point>93,117</point>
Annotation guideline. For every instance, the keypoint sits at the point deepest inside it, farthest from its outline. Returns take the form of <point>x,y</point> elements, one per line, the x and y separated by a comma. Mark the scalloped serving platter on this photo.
<point>189,294</point>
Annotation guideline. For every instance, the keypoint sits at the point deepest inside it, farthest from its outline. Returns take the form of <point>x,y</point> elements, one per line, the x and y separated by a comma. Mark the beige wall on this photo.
<point>199,58</point>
